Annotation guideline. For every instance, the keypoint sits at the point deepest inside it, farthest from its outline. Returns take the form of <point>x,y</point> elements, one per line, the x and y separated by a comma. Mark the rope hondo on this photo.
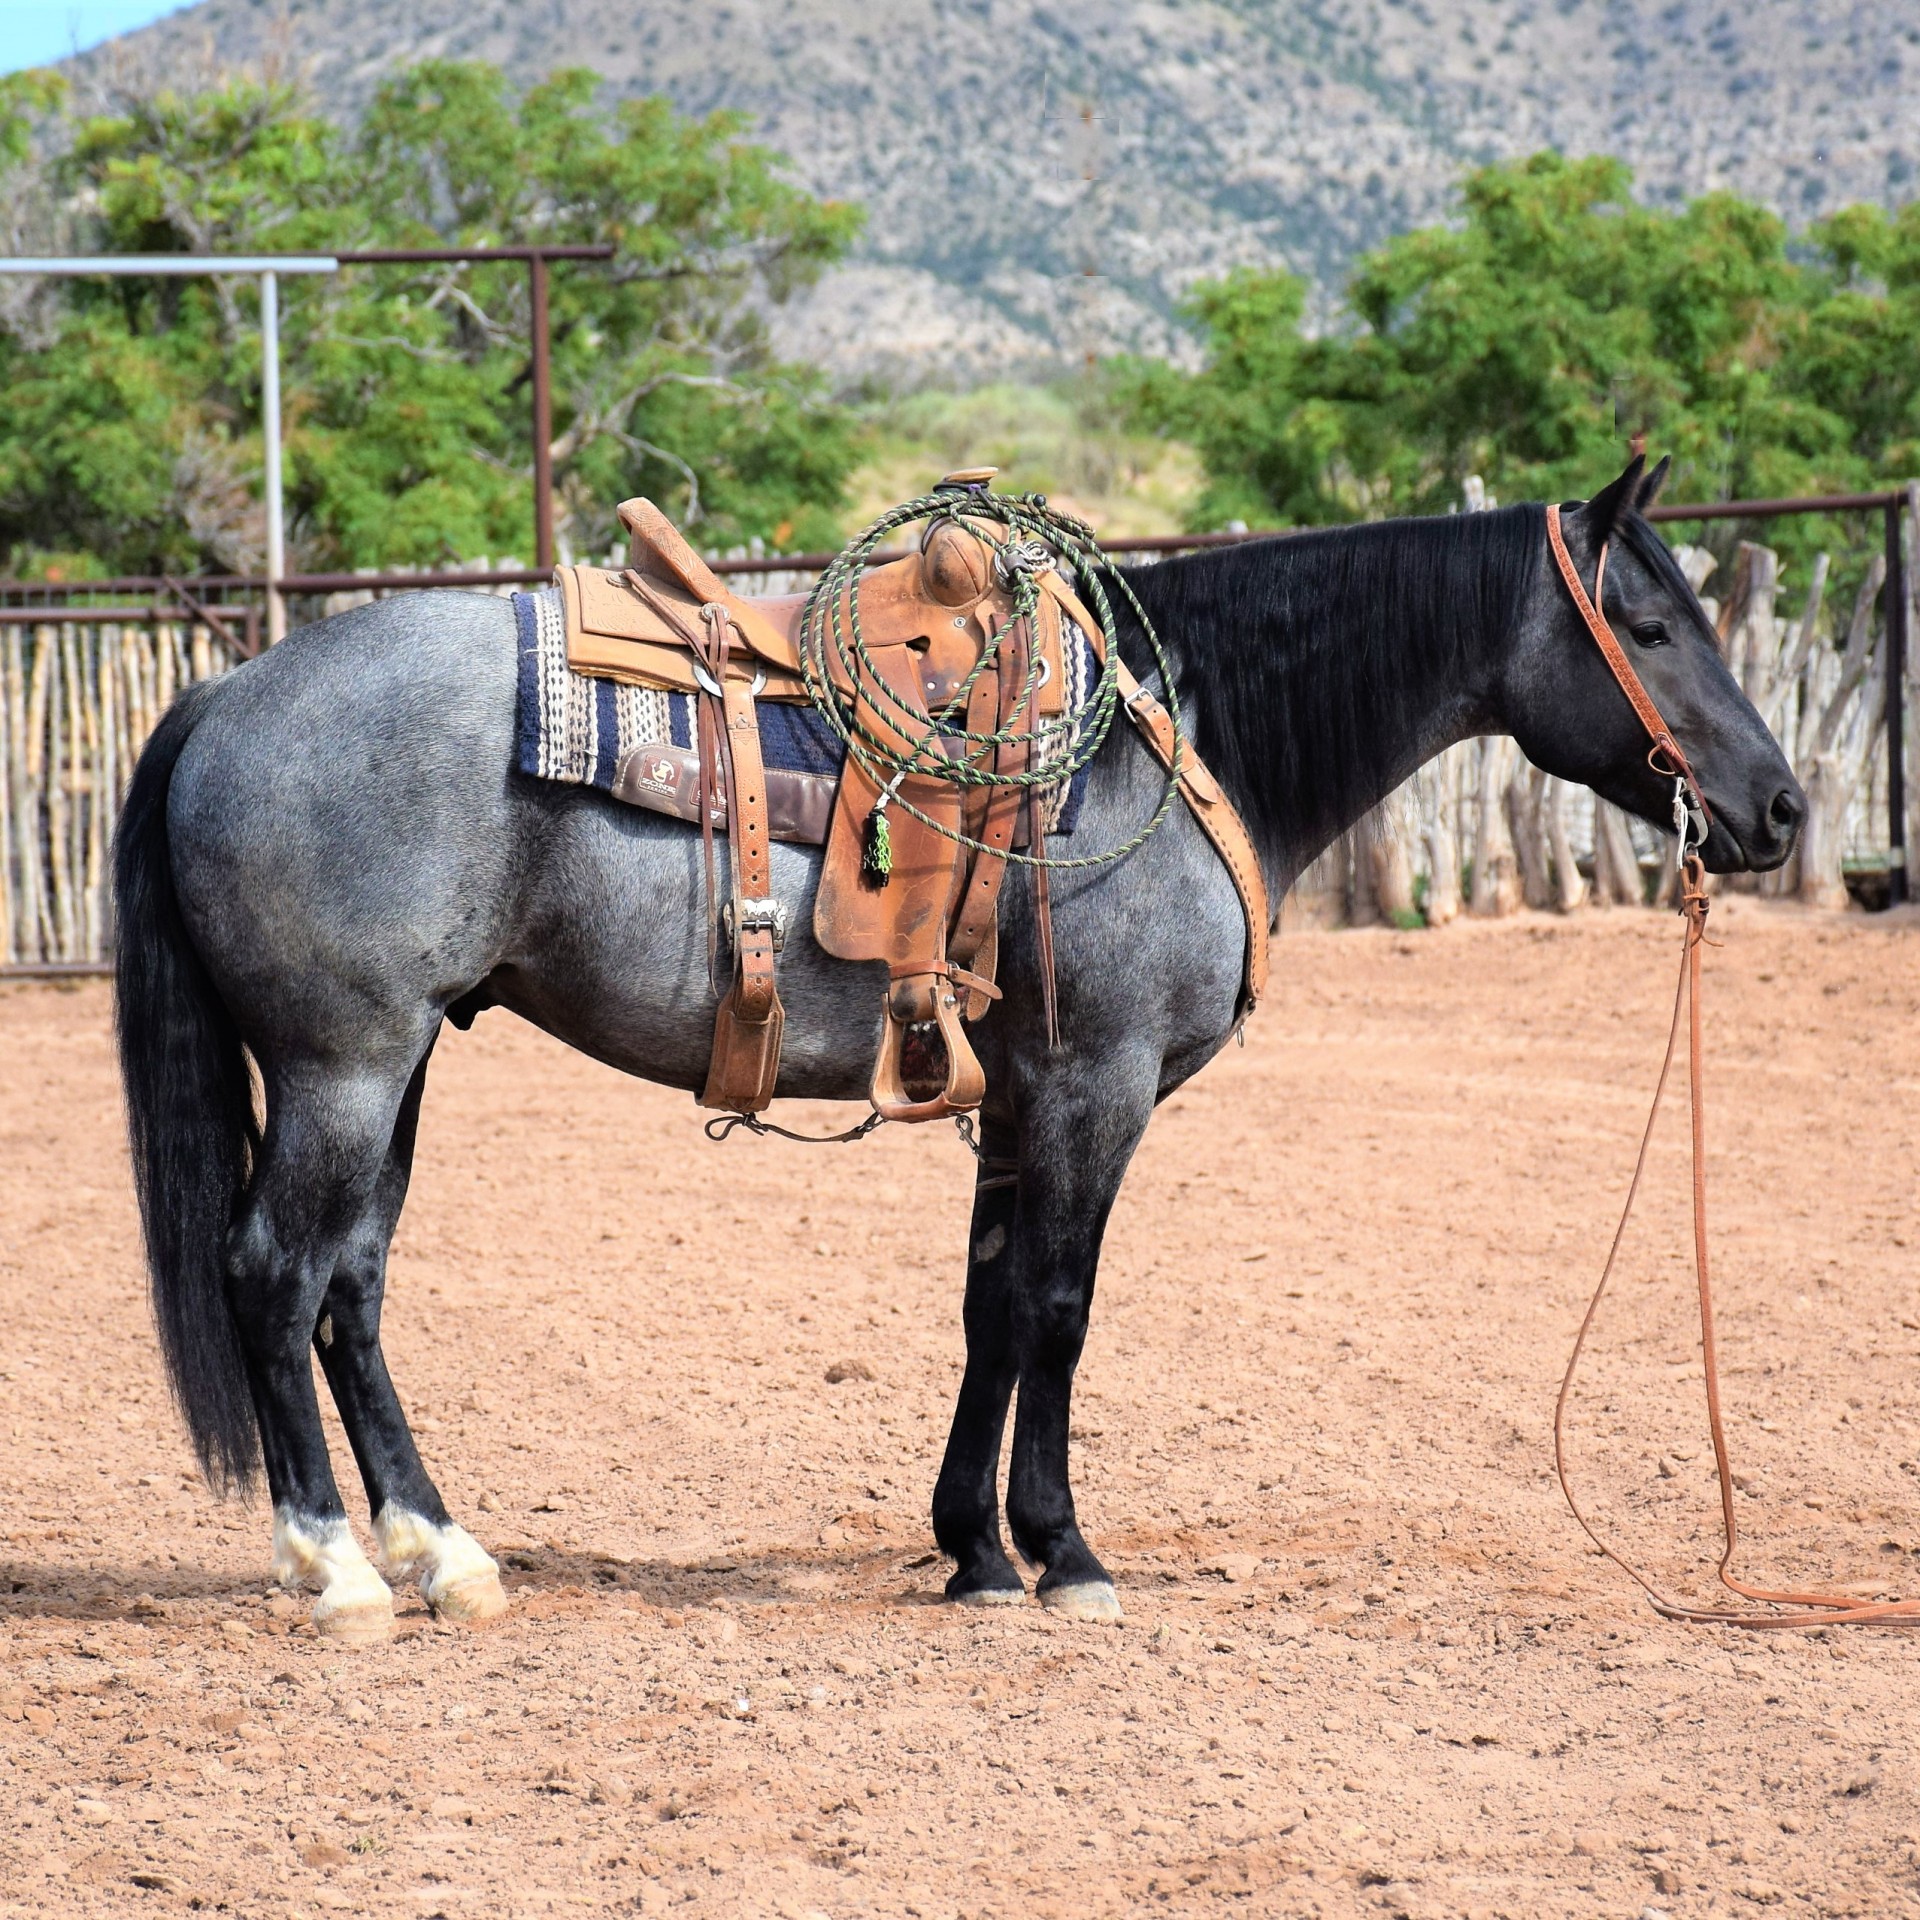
<point>1038,537</point>
<point>1773,1610</point>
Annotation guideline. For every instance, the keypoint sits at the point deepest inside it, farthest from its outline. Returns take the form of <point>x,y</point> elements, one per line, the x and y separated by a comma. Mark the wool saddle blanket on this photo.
<point>640,744</point>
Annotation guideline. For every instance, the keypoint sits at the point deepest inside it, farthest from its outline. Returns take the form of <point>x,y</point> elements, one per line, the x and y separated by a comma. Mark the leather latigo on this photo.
<point>1210,807</point>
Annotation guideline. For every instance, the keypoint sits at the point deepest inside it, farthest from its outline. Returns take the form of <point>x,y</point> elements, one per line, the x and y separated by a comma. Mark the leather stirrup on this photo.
<point>917,999</point>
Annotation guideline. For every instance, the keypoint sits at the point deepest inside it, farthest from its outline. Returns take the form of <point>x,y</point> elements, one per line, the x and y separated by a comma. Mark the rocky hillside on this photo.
<point>1043,179</point>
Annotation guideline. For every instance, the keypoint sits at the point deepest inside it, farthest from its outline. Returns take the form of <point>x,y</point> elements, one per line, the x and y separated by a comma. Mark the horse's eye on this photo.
<point>1651,633</point>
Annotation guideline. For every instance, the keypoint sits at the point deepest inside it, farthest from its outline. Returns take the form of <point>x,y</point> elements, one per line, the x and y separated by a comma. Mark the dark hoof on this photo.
<point>988,1596</point>
<point>991,1587</point>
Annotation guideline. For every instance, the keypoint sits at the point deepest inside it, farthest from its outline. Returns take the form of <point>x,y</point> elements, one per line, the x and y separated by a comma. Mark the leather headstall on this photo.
<point>1777,1608</point>
<point>1676,765</point>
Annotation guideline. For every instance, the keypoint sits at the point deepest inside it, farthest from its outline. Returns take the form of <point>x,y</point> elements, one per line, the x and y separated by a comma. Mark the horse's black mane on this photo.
<point>1302,657</point>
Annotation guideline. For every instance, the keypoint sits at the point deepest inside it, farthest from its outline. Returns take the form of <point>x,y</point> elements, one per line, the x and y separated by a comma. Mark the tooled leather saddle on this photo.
<point>666,621</point>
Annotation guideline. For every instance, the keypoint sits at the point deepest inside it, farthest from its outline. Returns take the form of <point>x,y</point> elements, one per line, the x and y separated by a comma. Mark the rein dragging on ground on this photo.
<point>1691,819</point>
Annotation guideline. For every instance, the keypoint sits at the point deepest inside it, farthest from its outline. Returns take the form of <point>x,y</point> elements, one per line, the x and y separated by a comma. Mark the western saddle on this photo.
<point>925,900</point>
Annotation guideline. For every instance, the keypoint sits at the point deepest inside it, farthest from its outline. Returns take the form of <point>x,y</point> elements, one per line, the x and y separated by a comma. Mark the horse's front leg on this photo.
<point>966,1499</point>
<point>1076,1141</point>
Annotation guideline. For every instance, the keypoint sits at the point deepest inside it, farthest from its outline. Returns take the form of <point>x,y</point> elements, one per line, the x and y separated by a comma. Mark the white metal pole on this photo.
<point>270,435</point>
<point>145,266</point>
<point>269,266</point>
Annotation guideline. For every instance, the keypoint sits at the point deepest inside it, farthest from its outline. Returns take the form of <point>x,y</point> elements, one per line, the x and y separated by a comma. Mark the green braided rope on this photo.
<point>830,630</point>
<point>835,590</point>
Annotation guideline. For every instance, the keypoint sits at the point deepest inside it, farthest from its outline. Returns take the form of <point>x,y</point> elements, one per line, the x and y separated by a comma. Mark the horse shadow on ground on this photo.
<point>48,1592</point>
<point>781,1576</point>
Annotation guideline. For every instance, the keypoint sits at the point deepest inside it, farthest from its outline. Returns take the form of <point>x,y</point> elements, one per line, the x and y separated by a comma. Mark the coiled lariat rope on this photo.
<point>1039,537</point>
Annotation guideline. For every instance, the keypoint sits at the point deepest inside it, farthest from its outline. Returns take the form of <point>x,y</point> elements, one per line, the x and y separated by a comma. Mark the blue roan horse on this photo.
<point>326,853</point>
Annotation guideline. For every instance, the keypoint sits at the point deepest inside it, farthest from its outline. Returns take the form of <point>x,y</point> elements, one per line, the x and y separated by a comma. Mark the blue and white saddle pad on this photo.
<point>639,744</point>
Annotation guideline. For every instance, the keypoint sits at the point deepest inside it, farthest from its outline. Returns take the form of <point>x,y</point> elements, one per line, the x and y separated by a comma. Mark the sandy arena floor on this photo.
<point>1368,1666</point>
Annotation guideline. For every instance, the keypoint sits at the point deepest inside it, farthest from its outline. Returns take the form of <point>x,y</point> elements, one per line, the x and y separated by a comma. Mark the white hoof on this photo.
<point>356,1621</point>
<point>1091,1600</point>
<point>471,1602</point>
<point>355,1606</point>
<point>459,1579</point>
<point>992,1597</point>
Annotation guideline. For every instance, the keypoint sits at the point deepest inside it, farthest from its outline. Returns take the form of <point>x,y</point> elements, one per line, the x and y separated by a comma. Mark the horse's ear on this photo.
<point>1613,503</point>
<point>1651,485</point>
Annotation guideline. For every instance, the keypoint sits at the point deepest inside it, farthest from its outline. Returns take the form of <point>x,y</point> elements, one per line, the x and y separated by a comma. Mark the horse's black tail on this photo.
<point>190,1115</point>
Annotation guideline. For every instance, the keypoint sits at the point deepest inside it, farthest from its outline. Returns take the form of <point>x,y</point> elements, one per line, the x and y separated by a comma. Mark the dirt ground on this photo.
<point>1368,1664</point>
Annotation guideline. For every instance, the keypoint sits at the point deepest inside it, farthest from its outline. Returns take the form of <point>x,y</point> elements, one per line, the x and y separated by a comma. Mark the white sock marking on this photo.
<point>446,1557</point>
<point>326,1555</point>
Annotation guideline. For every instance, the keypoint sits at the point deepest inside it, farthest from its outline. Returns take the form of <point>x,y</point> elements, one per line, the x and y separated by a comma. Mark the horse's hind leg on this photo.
<point>458,1578</point>
<point>326,1139</point>
<point>966,1499</point>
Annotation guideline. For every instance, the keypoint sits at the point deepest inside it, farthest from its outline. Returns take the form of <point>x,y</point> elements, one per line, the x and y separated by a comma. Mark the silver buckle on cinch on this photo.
<point>756,916</point>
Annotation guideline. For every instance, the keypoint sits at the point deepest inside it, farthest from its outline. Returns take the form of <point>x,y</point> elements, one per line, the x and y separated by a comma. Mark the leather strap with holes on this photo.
<point>750,1021</point>
<point>992,814</point>
<point>751,851</point>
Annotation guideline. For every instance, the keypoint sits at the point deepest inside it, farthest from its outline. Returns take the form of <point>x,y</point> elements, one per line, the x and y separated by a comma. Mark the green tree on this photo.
<point>24,98</point>
<point>1527,343</point>
<point>1856,358</point>
<point>132,431</point>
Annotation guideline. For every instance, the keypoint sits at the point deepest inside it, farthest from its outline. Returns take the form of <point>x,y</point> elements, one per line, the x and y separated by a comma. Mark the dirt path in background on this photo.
<point>1367,1666</point>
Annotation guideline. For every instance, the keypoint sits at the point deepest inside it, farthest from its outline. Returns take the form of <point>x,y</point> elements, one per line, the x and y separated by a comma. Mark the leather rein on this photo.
<point>1691,821</point>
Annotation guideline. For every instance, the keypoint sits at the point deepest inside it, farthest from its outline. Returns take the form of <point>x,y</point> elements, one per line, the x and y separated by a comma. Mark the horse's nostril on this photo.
<point>1787,812</point>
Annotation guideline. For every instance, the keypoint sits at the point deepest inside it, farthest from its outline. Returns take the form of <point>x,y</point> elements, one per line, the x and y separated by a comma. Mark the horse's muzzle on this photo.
<point>1764,844</point>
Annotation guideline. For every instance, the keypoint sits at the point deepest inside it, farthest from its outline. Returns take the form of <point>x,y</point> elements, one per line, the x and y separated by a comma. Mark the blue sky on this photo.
<point>35,33</point>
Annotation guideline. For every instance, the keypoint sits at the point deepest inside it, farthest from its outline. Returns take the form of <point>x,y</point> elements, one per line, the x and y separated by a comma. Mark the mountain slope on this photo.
<point>1042,180</point>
